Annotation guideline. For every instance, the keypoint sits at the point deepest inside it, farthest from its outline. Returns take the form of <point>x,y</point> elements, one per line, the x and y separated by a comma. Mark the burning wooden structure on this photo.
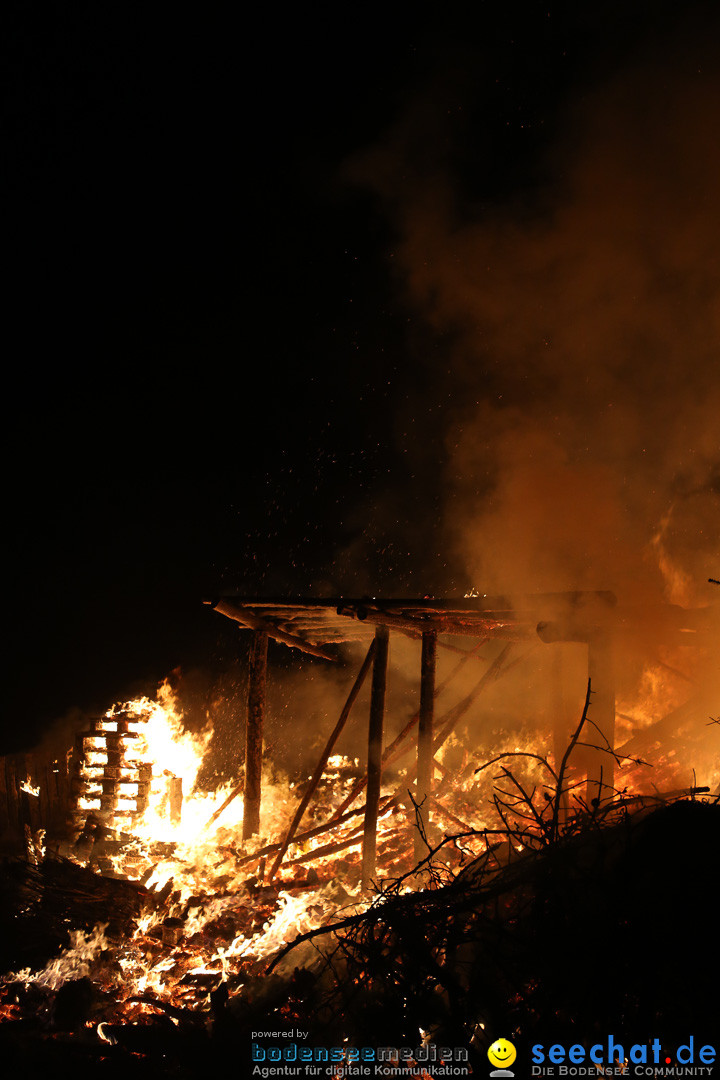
<point>203,910</point>
<point>314,626</point>
<point>317,626</point>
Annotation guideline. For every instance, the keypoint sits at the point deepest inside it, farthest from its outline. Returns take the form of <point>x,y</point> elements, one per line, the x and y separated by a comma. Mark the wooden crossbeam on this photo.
<point>255,622</point>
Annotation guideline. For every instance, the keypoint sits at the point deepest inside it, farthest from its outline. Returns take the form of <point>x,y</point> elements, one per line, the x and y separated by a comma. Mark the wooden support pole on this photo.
<point>453,717</point>
<point>320,767</point>
<point>374,768</point>
<point>425,733</point>
<point>257,679</point>
<point>396,749</point>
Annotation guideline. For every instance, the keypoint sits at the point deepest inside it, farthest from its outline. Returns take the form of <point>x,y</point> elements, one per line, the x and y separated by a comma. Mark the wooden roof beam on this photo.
<point>254,622</point>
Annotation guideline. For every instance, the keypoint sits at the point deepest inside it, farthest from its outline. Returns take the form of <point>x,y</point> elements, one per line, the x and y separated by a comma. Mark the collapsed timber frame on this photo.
<point>315,626</point>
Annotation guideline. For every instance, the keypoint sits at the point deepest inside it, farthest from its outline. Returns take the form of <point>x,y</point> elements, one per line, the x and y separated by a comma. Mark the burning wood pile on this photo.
<point>165,924</point>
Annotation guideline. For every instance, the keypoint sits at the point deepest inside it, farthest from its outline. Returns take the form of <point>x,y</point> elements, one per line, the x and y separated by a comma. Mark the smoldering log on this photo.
<point>257,680</point>
<point>374,768</point>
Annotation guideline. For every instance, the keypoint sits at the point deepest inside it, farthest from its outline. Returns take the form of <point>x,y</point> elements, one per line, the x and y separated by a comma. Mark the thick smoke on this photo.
<point>573,335</point>
<point>584,315</point>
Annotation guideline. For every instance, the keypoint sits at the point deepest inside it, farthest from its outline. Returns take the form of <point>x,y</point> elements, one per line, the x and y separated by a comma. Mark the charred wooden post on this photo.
<point>374,769</point>
<point>448,722</point>
<point>257,680</point>
<point>425,733</point>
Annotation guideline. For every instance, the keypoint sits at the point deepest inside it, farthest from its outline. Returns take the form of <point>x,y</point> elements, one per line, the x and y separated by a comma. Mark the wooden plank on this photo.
<point>374,768</point>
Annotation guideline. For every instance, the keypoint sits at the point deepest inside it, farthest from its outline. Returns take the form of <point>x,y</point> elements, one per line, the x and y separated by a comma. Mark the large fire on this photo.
<point>212,916</point>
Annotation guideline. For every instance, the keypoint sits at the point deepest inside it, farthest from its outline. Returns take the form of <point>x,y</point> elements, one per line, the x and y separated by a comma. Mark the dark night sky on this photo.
<point>206,349</point>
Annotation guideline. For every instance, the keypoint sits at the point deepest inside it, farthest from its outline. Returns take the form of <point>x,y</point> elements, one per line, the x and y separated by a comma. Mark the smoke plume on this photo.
<point>583,317</point>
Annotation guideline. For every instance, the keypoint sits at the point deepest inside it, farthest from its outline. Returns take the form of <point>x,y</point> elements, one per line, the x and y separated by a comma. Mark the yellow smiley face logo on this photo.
<point>502,1053</point>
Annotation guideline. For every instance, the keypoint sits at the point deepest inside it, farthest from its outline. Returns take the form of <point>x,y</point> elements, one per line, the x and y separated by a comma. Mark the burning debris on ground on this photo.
<point>447,885</point>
